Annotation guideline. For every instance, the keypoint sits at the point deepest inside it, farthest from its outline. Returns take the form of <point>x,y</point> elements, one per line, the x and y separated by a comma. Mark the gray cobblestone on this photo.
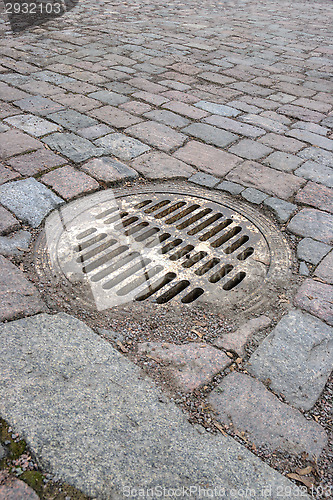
<point>283,210</point>
<point>311,250</point>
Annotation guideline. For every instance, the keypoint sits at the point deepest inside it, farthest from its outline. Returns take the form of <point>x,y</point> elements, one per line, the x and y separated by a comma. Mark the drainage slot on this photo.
<point>155,287</point>
<point>237,244</point>
<point>215,230</point>
<point>86,233</point>
<point>142,204</point>
<point>181,252</point>
<point>206,267</point>
<point>114,267</point>
<point>214,278</point>
<point>157,241</point>
<point>172,292</point>
<point>234,281</point>
<point>92,241</point>
<point>147,234</point>
<point>245,254</point>
<point>182,214</point>
<point>103,260</point>
<point>126,223</point>
<point>136,228</point>
<point>161,204</point>
<point>86,256</point>
<point>169,210</point>
<point>126,274</point>
<point>115,218</point>
<point>204,224</point>
<point>194,218</point>
<point>171,245</point>
<point>106,213</point>
<point>192,296</point>
<point>146,276</point>
<point>227,236</point>
<point>193,260</point>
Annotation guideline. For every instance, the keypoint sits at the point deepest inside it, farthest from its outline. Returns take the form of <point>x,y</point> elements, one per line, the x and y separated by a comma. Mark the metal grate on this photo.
<point>159,246</point>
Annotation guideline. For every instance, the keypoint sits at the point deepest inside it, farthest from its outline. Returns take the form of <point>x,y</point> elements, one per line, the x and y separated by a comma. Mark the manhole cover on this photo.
<point>164,244</point>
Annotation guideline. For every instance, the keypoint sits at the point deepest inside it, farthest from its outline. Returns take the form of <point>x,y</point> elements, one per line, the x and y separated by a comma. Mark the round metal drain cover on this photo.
<point>164,244</point>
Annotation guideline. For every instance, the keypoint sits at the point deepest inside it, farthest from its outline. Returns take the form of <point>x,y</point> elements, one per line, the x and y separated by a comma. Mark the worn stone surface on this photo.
<point>237,340</point>
<point>39,105</point>
<point>217,109</point>
<point>265,179</point>
<point>317,155</point>
<point>245,403</point>
<point>208,158</point>
<point>108,426</point>
<point>210,134</point>
<point>325,269</point>
<point>72,120</point>
<point>18,297</point>
<point>159,165</point>
<point>8,222</point>
<point>108,169</point>
<point>12,488</point>
<point>283,210</point>
<point>313,224</point>
<point>157,135</point>
<point>72,146</point>
<point>250,150</point>
<point>283,161</point>
<point>230,187</point>
<point>115,117</point>
<point>15,142</point>
<point>15,244</point>
<point>33,125</point>
<point>29,200</point>
<point>122,146</point>
<point>69,182</point>
<point>296,357</point>
<point>204,180</point>
<point>311,250</point>
<point>188,366</point>
<point>36,162</point>
<point>316,172</point>
<point>316,298</point>
<point>317,196</point>
<point>6,174</point>
<point>254,195</point>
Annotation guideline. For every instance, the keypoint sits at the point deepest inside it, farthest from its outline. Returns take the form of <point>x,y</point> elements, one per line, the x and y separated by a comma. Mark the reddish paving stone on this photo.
<point>108,169</point>
<point>282,143</point>
<point>115,117</point>
<point>7,175</point>
<point>12,488</point>
<point>234,126</point>
<point>186,110</point>
<point>9,94</point>
<point>237,340</point>
<point>314,139</point>
<point>146,85</point>
<point>36,162</point>
<point>207,158</point>
<point>306,115</point>
<point>78,102</point>
<point>8,222</point>
<point>175,95</point>
<point>157,135</point>
<point>158,165</point>
<point>316,195</point>
<point>266,179</point>
<point>154,99</point>
<point>189,366</point>
<point>18,297</point>
<point>14,142</point>
<point>135,107</point>
<point>325,269</point>
<point>316,298</point>
<point>313,224</point>
<point>7,110</point>
<point>245,403</point>
<point>69,183</point>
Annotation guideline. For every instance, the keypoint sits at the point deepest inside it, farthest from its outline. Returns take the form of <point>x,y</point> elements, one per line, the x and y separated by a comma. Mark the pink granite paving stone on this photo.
<point>316,298</point>
<point>189,366</point>
<point>159,165</point>
<point>69,182</point>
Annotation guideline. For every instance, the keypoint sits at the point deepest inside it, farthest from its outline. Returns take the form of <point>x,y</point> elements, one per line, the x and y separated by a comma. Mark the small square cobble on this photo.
<point>38,105</point>
<point>16,142</point>
<point>316,195</point>
<point>250,150</point>
<point>314,224</point>
<point>283,161</point>
<point>312,251</point>
<point>254,195</point>
<point>121,146</point>
<point>36,162</point>
<point>115,117</point>
<point>8,222</point>
<point>204,180</point>
<point>209,134</point>
<point>69,182</point>
<point>108,169</point>
<point>230,187</point>
<point>158,165</point>
<point>316,172</point>
<point>282,210</point>
<point>95,131</point>
<point>33,125</point>
<point>157,135</point>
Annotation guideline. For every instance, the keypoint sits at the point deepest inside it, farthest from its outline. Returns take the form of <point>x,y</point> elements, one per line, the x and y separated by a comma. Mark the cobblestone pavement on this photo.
<point>235,96</point>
